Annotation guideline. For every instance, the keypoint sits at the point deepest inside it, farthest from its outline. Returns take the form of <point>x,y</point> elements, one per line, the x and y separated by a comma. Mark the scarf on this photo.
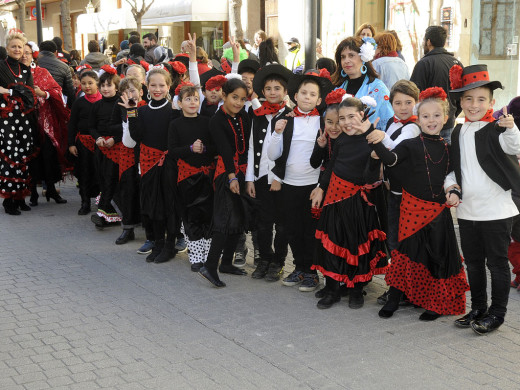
<point>486,118</point>
<point>93,97</point>
<point>298,113</point>
<point>413,118</point>
<point>389,54</point>
<point>269,108</point>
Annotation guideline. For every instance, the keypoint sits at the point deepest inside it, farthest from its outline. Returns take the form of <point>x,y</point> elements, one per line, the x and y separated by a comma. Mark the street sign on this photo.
<point>32,14</point>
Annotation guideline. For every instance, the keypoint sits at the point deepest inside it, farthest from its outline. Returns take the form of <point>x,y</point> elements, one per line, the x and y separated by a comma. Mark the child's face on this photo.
<point>247,78</point>
<point>332,124</point>
<point>403,105</point>
<point>108,89</point>
<point>308,97</point>
<point>274,91</point>
<point>76,83</point>
<point>135,72</point>
<point>189,105</point>
<point>476,102</point>
<point>89,85</point>
<point>348,116</point>
<point>134,94</point>
<point>213,96</point>
<point>157,87</point>
<point>432,117</point>
<point>234,101</point>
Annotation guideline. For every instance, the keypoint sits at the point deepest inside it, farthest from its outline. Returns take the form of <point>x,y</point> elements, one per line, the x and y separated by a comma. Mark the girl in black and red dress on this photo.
<point>352,246</point>
<point>230,131</point>
<point>149,126</point>
<point>427,265</point>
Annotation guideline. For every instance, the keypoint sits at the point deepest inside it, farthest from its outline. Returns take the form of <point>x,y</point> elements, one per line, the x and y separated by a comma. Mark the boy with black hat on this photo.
<point>247,69</point>
<point>291,147</point>
<point>486,169</point>
<point>270,82</point>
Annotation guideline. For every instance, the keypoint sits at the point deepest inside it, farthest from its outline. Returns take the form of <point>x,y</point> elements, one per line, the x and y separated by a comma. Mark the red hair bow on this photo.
<point>109,69</point>
<point>325,73</point>
<point>216,82</point>
<point>335,97</point>
<point>130,62</point>
<point>178,66</point>
<point>183,84</point>
<point>456,77</point>
<point>434,92</point>
<point>145,65</point>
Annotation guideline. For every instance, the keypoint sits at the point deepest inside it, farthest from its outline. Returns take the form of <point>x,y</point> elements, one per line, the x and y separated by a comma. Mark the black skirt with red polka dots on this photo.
<point>353,246</point>
<point>427,265</point>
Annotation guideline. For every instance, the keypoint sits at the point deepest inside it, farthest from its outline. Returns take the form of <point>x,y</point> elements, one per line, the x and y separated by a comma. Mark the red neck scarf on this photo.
<point>94,97</point>
<point>269,108</point>
<point>389,54</point>
<point>413,118</point>
<point>486,118</point>
<point>298,113</point>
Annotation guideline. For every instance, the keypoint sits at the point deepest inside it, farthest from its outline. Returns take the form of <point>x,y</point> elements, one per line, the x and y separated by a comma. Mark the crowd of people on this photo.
<point>353,164</point>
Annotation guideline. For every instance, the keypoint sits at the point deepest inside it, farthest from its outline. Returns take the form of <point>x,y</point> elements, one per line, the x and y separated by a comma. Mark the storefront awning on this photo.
<point>169,11</point>
<point>100,22</point>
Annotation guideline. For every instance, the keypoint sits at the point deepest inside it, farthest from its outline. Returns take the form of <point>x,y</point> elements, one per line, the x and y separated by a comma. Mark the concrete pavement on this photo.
<point>79,312</point>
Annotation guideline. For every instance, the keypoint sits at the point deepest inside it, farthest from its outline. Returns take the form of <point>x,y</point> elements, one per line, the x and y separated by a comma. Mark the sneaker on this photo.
<point>147,247</point>
<point>310,282</point>
<point>261,270</point>
<point>180,245</point>
<point>294,278</point>
<point>240,258</point>
<point>274,273</point>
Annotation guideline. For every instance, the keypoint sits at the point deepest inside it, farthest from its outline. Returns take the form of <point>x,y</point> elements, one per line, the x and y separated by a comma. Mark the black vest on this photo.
<point>258,132</point>
<point>502,168</point>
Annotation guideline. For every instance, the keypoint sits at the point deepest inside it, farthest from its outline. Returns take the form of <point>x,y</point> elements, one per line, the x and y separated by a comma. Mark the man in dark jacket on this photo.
<point>63,55</point>
<point>433,70</point>
<point>95,58</point>
<point>149,43</point>
<point>59,71</point>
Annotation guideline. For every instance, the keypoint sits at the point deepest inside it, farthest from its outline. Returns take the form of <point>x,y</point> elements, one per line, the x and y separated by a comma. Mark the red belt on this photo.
<point>87,141</point>
<point>221,167</point>
<point>113,152</point>
<point>186,170</point>
<point>340,189</point>
<point>149,157</point>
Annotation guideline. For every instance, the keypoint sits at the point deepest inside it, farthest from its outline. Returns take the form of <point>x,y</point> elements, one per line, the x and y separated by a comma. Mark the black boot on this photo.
<point>126,235</point>
<point>33,200</point>
<point>53,194</point>
<point>98,221</point>
<point>356,299</point>
<point>22,205</point>
<point>392,303</point>
<point>156,251</point>
<point>85,206</point>
<point>10,207</point>
<point>168,252</point>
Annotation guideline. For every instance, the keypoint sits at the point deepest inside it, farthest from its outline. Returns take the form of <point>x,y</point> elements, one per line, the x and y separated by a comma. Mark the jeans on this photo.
<point>481,241</point>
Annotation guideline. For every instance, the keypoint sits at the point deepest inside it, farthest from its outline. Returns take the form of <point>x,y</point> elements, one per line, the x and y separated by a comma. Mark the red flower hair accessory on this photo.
<point>335,97</point>
<point>178,67</point>
<point>456,77</point>
<point>131,62</point>
<point>183,84</point>
<point>435,92</point>
<point>83,67</point>
<point>109,69</point>
<point>145,65</point>
<point>216,82</point>
<point>325,73</point>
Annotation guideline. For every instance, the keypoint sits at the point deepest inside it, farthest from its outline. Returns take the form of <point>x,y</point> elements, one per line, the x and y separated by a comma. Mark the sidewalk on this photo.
<point>79,312</point>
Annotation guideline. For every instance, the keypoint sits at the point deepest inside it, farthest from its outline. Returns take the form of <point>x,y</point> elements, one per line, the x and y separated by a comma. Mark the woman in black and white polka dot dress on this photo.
<point>16,125</point>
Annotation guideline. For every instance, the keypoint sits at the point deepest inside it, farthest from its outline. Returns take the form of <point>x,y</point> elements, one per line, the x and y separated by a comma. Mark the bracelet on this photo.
<point>131,113</point>
<point>230,180</point>
<point>456,192</point>
<point>191,148</point>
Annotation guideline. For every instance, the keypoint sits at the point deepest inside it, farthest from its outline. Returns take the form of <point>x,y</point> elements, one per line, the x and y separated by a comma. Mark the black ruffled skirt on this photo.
<point>196,196</point>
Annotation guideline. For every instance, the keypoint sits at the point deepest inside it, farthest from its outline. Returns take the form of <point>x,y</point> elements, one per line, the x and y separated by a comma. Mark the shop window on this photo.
<point>497,24</point>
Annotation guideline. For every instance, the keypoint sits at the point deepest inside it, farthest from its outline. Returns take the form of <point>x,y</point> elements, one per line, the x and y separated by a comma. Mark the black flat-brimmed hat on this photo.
<point>204,77</point>
<point>471,77</point>
<point>184,58</point>
<point>312,74</point>
<point>251,66</point>
<point>268,71</point>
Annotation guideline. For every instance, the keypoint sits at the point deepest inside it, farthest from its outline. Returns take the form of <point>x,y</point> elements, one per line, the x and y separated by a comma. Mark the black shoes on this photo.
<point>22,205</point>
<point>487,324</point>
<point>356,299</point>
<point>195,267</point>
<point>126,235</point>
<point>213,279</point>
<point>274,272</point>
<point>261,270</point>
<point>11,207</point>
<point>328,300</point>
<point>429,315</point>
<point>156,251</point>
<point>473,315</point>
<point>98,221</point>
<point>168,252</point>
<point>54,195</point>
<point>231,269</point>
<point>85,208</point>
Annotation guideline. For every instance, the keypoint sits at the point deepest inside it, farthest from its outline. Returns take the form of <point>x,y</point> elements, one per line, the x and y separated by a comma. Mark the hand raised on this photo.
<point>280,126</point>
<point>322,139</point>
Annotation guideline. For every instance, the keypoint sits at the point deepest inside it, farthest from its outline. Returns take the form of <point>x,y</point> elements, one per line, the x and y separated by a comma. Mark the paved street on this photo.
<point>79,312</point>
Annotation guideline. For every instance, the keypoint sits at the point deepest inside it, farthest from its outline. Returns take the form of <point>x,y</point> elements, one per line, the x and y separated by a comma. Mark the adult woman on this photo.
<point>75,58</point>
<point>365,30</point>
<point>387,63</point>
<point>202,60</point>
<point>16,134</point>
<point>260,36</point>
<point>50,166</point>
<point>356,75</point>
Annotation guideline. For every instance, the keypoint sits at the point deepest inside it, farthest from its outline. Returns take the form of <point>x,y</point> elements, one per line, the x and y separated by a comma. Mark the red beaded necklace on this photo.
<point>329,144</point>
<point>427,157</point>
<point>19,75</point>
<point>235,134</point>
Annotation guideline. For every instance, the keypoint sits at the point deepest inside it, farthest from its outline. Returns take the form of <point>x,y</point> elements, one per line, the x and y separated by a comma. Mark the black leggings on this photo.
<point>221,244</point>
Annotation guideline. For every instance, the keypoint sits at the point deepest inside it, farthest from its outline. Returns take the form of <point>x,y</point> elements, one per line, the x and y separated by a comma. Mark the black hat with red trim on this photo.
<point>268,71</point>
<point>321,77</point>
<point>204,77</point>
<point>471,77</point>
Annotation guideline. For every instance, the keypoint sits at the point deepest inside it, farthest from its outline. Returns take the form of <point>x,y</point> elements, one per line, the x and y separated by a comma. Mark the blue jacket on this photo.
<point>391,70</point>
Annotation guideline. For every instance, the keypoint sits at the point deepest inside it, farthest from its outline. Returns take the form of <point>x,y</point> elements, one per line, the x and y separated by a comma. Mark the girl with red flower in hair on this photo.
<point>426,266</point>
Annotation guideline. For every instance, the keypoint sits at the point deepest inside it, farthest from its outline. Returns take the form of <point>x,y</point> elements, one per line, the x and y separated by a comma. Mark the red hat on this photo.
<point>335,97</point>
<point>216,82</point>
<point>434,92</point>
<point>471,77</point>
<point>183,84</point>
<point>178,67</point>
<point>145,65</point>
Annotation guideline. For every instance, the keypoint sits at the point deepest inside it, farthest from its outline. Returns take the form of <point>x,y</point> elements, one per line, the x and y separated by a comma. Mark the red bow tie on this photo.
<point>486,118</point>
<point>268,108</point>
<point>413,118</point>
<point>298,113</point>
